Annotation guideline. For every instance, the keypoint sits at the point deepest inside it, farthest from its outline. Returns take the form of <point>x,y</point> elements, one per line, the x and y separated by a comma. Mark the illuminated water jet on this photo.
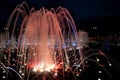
<point>41,38</point>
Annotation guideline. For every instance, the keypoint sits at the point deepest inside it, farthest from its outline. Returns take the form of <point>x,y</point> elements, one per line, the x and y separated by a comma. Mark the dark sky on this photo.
<point>79,9</point>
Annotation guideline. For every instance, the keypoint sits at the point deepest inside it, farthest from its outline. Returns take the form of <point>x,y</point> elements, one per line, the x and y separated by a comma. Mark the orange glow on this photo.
<point>43,67</point>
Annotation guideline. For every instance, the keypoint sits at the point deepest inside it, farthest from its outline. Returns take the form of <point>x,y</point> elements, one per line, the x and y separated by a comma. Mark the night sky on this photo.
<point>81,10</point>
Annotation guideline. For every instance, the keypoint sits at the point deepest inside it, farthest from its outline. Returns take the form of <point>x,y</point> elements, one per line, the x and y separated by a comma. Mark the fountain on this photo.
<point>47,44</point>
<point>41,39</point>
